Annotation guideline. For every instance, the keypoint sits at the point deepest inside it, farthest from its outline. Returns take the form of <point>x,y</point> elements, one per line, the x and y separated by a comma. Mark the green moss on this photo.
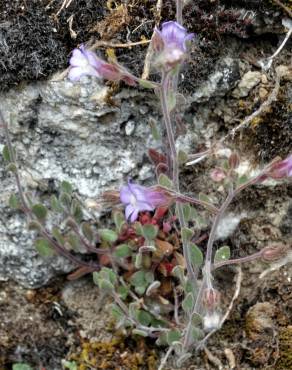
<point>115,354</point>
<point>285,349</point>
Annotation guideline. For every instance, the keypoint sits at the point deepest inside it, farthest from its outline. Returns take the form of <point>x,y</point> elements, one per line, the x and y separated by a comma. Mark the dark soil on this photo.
<point>35,38</point>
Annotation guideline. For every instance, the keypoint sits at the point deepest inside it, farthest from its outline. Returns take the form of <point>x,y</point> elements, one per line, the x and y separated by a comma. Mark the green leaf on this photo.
<point>186,211</point>
<point>55,204</point>
<point>108,274</point>
<point>140,289</point>
<point>204,198</point>
<point>117,313</point>
<point>119,220</point>
<point>71,365</point>
<point>149,277</point>
<point>21,366</point>
<point>197,257</point>
<point>6,154</point>
<point>150,231</point>
<point>44,247</point>
<point>108,235</point>
<point>123,251</point>
<point>144,318</point>
<point>96,277</point>
<point>76,211</point>
<point>173,336</point>
<point>138,260</point>
<point>123,292</point>
<point>14,202</point>
<point>34,226</point>
<point>188,303</point>
<point>106,285</point>
<point>165,181</point>
<point>171,101</point>
<point>140,332</point>
<point>105,279</point>
<point>65,199</point>
<point>196,319</point>
<point>154,129</point>
<point>146,84</point>
<point>162,339</point>
<point>242,180</point>
<point>87,231</point>
<point>40,211</point>
<point>222,254</point>
<point>58,235</point>
<point>66,187</point>
<point>182,157</point>
<point>74,242</point>
<point>178,272</point>
<point>138,279</point>
<point>186,234</point>
<point>196,333</point>
<point>138,228</point>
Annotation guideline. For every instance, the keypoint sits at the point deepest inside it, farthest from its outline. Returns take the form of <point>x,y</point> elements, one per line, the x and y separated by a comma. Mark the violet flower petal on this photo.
<point>129,211</point>
<point>125,194</point>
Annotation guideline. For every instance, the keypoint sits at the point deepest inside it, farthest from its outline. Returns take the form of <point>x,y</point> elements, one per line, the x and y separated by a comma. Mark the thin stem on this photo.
<point>188,199</point>
<point>282,45</point>
<point>179,19</point>
<point>62,251</point>
<point>13,159</point>
<point>165,358</point>
<point>207,282</point>
<point>208,258</point>
<point>179,9</point>
<point>168,125</point>
<point>174,166</point>
<point>252,257</point>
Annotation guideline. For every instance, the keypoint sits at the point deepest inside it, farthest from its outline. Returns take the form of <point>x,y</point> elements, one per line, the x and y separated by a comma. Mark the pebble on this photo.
<point>248,82</point>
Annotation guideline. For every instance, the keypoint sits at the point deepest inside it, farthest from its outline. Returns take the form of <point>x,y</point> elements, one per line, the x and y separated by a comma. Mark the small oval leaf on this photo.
<point>40,211</point>
<point>222,254</point>
<point>108,235</point>
<point>44,247</point>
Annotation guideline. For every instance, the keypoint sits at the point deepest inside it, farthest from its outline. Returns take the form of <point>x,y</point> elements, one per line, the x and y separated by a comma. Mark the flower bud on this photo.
<point>280,169</point>
<point>218,175</point>
<point>169,44</point>
<point>274,252</point>
<point>211,298</point>
<point>234,160</point>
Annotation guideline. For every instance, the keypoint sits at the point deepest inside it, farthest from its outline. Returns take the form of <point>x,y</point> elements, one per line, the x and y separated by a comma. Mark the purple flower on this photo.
<point>281,169</point>
<point>138,198</point>
<point>83,63</point>
<point>86,63</point>
<point>171,43</point>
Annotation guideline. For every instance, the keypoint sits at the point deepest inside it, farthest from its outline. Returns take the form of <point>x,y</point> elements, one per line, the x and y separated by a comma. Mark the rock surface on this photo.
<point>65,131</point>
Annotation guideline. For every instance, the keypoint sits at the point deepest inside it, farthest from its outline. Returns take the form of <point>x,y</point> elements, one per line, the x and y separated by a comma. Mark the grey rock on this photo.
<point>220,82</point>
<point>65,131</point>
<point>247,83</point>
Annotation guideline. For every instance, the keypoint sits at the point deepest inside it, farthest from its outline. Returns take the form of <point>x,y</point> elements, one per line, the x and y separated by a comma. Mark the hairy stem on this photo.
<point>208,258</point>
<point>174,166</point>
<point>207,279</point>
<point>250,258</point>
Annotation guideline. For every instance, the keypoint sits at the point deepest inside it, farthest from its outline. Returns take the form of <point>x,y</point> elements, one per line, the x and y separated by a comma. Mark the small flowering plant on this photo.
<point>150,262</point>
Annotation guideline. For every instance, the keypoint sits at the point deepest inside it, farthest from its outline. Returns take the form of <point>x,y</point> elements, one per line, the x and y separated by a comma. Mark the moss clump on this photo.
<point>285,349</point>
<point>116,354</point>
